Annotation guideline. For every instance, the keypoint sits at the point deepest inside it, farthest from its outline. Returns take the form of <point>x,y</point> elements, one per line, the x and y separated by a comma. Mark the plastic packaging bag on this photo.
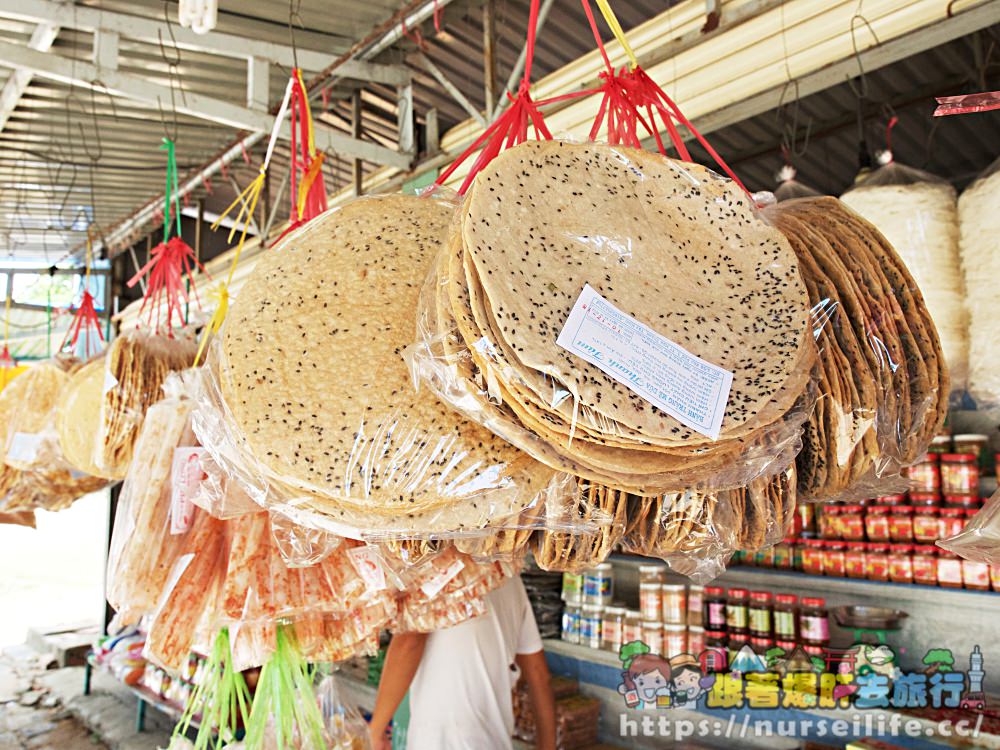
<point>345,727</point>
<point>137,366</point>
<point>918,213</point>
<point>790,188</point>
<point>979,541</point>
<point>148,540</point>
<point>881,379</point>
<point>979,221</point>
<point>28,409</point>
<point>556,405</point>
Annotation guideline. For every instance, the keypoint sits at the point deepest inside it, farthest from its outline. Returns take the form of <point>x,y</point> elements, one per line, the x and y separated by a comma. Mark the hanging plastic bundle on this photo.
<point>85,322</point>
<point>172,263</point>
<point>512,126</point>
<point>633,99</point>
<point>789,188</point>
<point>221,700</point>
<point>308,191</point>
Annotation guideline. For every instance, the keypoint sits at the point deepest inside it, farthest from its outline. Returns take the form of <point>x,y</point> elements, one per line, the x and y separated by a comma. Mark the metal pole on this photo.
<point>356,166</point>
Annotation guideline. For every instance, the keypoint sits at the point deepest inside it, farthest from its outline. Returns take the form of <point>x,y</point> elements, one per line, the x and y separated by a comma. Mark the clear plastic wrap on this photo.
<point>979,222</point>
<point>78,416</point>
<point>789,188</point>
<point>918,213</point>
<point>545,221</point>
<point>346,729</point>
<point>144,545</point>
<point>881,378</point>
<point>979,541</point>
<point>138,363</point>
<point>28,411</point>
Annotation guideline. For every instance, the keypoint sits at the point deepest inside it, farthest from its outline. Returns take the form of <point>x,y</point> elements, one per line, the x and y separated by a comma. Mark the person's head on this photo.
<point>647,674</point>
<point>687,680</point>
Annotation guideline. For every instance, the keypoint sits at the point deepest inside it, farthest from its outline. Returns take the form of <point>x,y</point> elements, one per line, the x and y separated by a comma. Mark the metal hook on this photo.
<point>294,7</point>
<point>173,39</point>
<point>169,134</point>
<point>94,157</point>
<point>862,91</point>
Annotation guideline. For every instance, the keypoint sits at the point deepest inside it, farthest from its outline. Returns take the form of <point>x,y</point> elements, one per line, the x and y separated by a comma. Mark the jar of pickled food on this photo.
<point>652,574</point>
<point>737,620</point>
<point>612,629</point>
<point>759,612</point>
<point>652,636</point>
<point>785,616</point>
<point>632,630</point>
<point>852,523</point>
<point>949,569</point>
<point>695,602</point>
<point>812,557</point>
<point>901,563</point>
<point>590,625</point>
<point>877,523</point>
<point>951,522</point>
<point>877,562</point>
<point>917,499</point>
<point>714,618</point>
<point>814,622</point>
<point>829,521</point>
<point>925,475</point>
<point>925,564</point>
<point>959,474</point>
<point>649,600</point>
<point>854,560</point>
<point>797,545</point>
<point>675,640</point>
<point>597,585</point>
<point>901,524</point>
<point>926,524</point>
<point>673,603</point>
<point>695,639</point>
<point>975,575</point>
<point>571,623</point>
<point>834,562</point>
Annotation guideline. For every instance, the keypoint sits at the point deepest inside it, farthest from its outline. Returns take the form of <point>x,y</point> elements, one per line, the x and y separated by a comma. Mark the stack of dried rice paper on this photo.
<point>882,381</point>
<point>318,401</point>
<point>979,222</point>
<point>671,244</point>
<point>918,213</point>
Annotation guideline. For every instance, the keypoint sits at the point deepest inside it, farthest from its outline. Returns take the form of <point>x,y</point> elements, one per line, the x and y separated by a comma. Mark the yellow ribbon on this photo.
<point>616,28</point>
<point>307,180</point>
<point>221,295</point>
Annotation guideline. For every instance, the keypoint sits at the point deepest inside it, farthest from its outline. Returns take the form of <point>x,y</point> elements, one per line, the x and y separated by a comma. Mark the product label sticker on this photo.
<point>666,375</point>
<point>24,446</point>
<point>368,565</point>
<point>186,476</point>
<point>433,586</point>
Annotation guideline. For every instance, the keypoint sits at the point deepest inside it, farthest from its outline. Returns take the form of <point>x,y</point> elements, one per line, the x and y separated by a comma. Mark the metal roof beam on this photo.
<point>74,16</point>
<point>41,40</point>
<point>133,87</point>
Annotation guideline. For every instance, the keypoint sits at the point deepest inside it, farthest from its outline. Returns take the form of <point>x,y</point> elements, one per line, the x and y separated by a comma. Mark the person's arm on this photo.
<point>535,673</point>
<point>401,661</point>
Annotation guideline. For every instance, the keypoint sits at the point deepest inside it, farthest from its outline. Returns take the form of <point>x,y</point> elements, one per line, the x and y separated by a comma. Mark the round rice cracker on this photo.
<point>602,517</point>
<point>79,417</point>
<point>323,318</point>
<point>700,269</point>
<point>27,405</point>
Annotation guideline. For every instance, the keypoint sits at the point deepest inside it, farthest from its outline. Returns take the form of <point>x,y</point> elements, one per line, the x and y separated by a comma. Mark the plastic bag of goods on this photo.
<point>558,266</point>
<point>979,541</point>
<point>28,411</point>
<point>322,320</point>
<point>790,188</point>
<point>882,381</point>
<point>979,221</point>
<point>138,363</point>
<point>78,416</point>
<point>918,214</point>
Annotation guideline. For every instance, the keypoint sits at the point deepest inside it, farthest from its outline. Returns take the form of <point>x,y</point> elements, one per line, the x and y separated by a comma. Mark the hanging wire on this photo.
<point>173,74</point>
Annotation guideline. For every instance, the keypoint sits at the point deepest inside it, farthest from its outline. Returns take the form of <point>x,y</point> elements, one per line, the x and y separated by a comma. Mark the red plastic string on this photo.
<point>224,170</point>
<point>243,149</point>
<point>437,17</point>
<point>893,122</point>
<point>85,321</point>
<point>512,126</point>
<point>170,264</point>
<point>206,182</point>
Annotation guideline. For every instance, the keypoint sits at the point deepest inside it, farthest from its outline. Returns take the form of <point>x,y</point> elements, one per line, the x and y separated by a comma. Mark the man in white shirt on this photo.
<point>460,679</point>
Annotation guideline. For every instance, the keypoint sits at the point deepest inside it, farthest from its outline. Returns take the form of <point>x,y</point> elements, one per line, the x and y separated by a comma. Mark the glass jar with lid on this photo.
<point>951,522</point>
<point>925,564</point>
<point>949,569</point>
<point>674,603</point>
<point>737,620</point>
<point>852,523</point>
<point>598,585</point>
<point>652,574</point>
<point>959,474</point>
<point>833,559</point>
<point>812,557</point>
<point>652,636</point>
<point>785,616</point>
<point>714,618</point>
<point>972,444</point>
<point>612,629</point>
<point>674,639</point>
<point>814,622</point>
<point>632,630</point>
<point>759,612</point>
<point>976,575</point>
<point>901,524</point>
<point>854,560</point>
<point>877,523</point>
<point>695,602</point>
<point>918,499</point>
<point>695,640</point>
<point>925,475</point>
<point>901,563</point>
<point>572,588</point>
<point>590,625</point>
<point>829,521</point>
<point>649,600</point>
<point>783,554</point>
<point>571,623</point>
<point>941,444</point>
<point>877,562</point>
<point>925,524</point>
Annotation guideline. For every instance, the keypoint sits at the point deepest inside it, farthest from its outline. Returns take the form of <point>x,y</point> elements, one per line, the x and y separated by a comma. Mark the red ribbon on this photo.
<point>170,264</point>
<point>893,122</point>
<point>85,320</point>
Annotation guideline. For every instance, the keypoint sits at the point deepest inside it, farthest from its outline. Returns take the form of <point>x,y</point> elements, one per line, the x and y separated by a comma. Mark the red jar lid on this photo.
<point>877,547</point>
<point>958,457</point>
<point>856,546</point>
<point>875,510</point>
<point>835,545</point>
<point>961,499</point>
<point>715,633</point>
<point>903,510</point>
<point>891,499</point>
<point>927,458</point>
<point>786,599</point>
<point>832,510</point>
<point>760,596</point>
<point>738,592</point>
<point>970,512</point>
<point>785,645</point>
<point>714,590</point>
<point>926,510</point>
<point>905,548</point>
<point>924,498</point>
<point>926,549</point>
<point>953,512</point>
<point>852,509</point>
<point>813,601</point>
